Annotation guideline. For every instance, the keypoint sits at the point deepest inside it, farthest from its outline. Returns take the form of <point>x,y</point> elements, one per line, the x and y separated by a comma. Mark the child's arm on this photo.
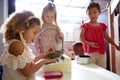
<point>59,34</point>
<point>111,41</point>
<point>92,44</point>
<point>17,48</point>
<point>41,56</point>
<point>31,68</point>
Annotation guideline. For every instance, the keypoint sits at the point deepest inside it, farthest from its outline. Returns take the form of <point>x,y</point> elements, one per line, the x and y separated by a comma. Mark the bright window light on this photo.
<point>70,14</point>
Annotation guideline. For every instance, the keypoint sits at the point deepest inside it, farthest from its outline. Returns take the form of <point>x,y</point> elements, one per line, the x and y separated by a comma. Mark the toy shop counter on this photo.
<point>73,71</point>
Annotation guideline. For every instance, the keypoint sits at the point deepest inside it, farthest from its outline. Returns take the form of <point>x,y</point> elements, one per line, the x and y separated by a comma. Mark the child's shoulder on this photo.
<point>84,24</point>
<point>16,48</point>
<point>103,25</point>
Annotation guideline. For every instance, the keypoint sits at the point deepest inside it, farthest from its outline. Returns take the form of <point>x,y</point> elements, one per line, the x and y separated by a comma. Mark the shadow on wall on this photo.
<point>1,44</point>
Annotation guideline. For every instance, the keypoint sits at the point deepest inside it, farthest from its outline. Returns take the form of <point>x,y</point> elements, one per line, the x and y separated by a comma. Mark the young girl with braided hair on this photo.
<point>18,61</point>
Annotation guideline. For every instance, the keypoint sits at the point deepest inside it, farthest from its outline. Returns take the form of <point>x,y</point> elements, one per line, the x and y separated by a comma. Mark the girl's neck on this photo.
<point>48,23</point>
<point>93,23</point>
<point>45,24</point>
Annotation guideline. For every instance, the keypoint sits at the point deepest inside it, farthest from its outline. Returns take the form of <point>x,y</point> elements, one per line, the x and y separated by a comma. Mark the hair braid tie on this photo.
<point>21,36</point>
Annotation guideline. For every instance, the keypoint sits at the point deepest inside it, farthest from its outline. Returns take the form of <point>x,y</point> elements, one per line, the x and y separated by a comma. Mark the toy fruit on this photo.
<point>53,51</point>
<point>54,54</point>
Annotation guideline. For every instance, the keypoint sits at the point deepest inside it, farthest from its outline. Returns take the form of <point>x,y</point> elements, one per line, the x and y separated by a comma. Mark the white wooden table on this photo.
<point>84,72</point>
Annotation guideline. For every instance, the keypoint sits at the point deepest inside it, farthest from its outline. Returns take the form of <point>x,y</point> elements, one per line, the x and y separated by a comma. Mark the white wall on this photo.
<point>3,16</point>
<point>3,10</point>
<point>103,17</point>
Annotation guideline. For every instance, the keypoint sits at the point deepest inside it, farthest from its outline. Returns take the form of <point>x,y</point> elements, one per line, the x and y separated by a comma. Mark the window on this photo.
<point>70,14</point>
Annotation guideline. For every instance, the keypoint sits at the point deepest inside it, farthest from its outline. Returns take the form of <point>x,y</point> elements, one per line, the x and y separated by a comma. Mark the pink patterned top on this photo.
<point>48,38</point>
<point>94,34</point>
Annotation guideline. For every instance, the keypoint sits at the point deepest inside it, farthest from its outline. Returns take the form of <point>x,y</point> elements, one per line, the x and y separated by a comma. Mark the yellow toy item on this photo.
<point>63,65</point>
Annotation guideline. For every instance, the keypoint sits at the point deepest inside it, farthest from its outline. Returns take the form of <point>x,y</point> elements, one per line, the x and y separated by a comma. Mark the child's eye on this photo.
<point>95,12</point>
<point>51,16</point>
<point>47,16</point>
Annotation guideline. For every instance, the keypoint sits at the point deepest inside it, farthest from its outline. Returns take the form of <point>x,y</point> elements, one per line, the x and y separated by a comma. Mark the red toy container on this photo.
<point>53,74</point>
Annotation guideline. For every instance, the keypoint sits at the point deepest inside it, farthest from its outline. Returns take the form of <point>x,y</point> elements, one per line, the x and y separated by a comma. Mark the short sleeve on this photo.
<point>18,62</point>
<point>83,25</point>
<point>104,27</point>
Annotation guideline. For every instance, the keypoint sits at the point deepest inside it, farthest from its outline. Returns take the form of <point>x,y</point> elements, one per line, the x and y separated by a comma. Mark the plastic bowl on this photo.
<point>57,54</point>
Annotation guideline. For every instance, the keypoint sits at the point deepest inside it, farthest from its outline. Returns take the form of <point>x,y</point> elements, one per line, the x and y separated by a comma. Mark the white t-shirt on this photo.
<point>12,64</point>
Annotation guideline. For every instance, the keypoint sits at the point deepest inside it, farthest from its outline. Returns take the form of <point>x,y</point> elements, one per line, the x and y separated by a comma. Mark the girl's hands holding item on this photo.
<point>46,61</point>
<point>49,51</point>
<point>53,54</point>
<point>94,45</point>
<point>44,55</point>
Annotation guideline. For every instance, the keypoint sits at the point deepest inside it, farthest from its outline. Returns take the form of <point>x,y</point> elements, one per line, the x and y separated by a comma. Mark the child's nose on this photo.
<point>34,36</point>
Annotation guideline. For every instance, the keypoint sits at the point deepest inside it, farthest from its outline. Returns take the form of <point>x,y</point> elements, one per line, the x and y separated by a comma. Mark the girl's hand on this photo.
<point>49,51</point>
<point>46,61</point>
<point>61,35</point>
<point>117,47</point>
<point>94,45</point>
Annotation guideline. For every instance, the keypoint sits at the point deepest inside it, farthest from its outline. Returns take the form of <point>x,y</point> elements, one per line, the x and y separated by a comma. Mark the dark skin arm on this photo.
<point>111,41</point>
<point>17,48</point>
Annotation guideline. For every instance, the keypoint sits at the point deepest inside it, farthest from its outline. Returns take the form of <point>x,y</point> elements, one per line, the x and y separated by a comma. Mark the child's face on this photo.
<point>49,17</point>
<point>30,34</point>
<point>93,14</point>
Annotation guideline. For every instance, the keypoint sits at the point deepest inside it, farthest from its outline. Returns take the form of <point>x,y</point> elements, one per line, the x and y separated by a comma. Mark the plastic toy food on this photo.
<point>53,51</point>
<point>54,54</point>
